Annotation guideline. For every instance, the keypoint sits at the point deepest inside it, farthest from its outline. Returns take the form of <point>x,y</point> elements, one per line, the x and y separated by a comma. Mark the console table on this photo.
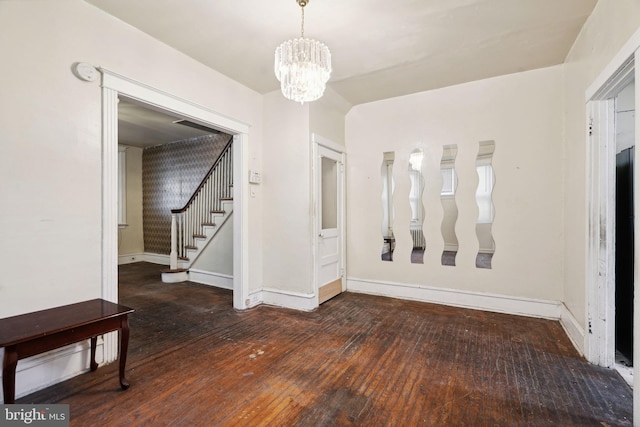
<point>34,333</point>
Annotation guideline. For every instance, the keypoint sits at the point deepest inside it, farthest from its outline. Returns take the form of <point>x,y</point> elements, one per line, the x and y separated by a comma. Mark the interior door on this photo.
<point>330,223</point>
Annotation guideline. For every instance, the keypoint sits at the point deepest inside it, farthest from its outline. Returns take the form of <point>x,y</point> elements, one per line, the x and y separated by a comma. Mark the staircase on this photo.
<point>197,223</point>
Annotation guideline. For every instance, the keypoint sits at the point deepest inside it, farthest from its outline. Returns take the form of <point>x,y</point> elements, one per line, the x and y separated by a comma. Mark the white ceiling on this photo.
<point>380,48</point>
<point>141,126</point>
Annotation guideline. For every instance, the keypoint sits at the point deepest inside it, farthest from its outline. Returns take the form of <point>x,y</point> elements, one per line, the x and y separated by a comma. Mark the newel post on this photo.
<point>173,256</point>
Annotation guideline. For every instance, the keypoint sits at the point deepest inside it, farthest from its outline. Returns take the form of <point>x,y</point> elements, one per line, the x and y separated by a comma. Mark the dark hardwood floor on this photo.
<point>357,360</point>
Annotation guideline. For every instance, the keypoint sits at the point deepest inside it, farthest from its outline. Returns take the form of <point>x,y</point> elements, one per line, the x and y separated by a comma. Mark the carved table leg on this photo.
<point>94,364</point>
<point>124,346</point>
<point>9,374</point>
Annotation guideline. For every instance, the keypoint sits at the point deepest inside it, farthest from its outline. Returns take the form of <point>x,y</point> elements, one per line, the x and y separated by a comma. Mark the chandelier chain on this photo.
<point>302,22</point>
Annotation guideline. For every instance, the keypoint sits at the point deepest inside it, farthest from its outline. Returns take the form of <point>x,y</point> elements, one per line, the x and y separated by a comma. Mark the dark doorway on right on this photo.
<point>624,255</point>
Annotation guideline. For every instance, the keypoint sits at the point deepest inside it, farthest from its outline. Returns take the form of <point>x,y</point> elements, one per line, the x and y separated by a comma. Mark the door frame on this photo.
<point>316,142</point>
<point>113,85</point>
<point>599,336</point>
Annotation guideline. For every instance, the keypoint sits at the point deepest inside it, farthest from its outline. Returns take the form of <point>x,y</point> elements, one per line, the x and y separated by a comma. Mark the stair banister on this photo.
<point>188,219</point>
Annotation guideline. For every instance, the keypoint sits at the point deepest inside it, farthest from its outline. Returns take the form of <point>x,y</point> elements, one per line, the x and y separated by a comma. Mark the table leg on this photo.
<point>124,346</point>
<point>9,374</point>
<point>94,343</point>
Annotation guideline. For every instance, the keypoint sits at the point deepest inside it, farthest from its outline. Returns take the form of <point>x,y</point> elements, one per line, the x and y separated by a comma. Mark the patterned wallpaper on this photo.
<point>170,175</point>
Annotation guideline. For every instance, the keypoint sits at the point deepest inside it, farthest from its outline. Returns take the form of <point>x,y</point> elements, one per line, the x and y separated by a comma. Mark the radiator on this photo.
<point>418,238</point>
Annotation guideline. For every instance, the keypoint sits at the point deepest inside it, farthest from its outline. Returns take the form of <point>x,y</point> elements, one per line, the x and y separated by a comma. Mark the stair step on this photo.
<point>218,212</point>
<point>226,199</point>
<point>199,236</point>
<point>178,270</point>
<point>209,224</point>
<point>183,258</point>
<point>191,247</point>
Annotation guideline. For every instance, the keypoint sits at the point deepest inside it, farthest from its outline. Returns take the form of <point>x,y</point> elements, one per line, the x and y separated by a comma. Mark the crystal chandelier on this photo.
<point>302,66</point>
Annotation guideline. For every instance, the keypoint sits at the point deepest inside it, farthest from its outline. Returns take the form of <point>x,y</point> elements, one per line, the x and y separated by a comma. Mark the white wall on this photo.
<point>217,256</point>
<point>286,192</point>
<point>131,237</point>
<point>522,113</point>
<point>327,116</point>
<point>605,32</point>
<point>50,156</point>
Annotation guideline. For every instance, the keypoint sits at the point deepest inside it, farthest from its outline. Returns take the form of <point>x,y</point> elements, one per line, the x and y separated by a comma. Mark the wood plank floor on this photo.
<point>358,360</point>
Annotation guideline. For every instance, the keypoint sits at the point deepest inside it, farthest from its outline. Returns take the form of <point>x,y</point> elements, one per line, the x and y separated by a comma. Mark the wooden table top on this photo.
<point>25,327</point>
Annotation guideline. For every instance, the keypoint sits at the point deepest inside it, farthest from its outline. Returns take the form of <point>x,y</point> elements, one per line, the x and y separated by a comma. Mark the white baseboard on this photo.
<point>144,257</point>
<point>41,371</point>
<point>156,258</point>
<point>286,299</point>
<point>574,331</point>
<point>459,298</point>
<point>130,258</point>
<point>212,279</point>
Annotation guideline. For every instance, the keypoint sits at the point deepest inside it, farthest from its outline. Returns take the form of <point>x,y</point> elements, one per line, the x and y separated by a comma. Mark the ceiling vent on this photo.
<point>196,126</point>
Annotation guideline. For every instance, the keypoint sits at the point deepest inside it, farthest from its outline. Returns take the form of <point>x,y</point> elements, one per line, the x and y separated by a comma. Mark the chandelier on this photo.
<point>302,66</point>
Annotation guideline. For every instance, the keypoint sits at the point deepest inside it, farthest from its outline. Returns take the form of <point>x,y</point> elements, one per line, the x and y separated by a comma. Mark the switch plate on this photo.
<point>255,177</point>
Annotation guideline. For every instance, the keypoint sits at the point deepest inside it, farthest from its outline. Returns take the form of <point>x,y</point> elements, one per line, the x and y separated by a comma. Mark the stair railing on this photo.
<point>187,223</point>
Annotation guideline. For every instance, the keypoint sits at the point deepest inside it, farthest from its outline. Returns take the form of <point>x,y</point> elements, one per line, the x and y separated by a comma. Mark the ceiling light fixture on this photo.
<point>302,66</point>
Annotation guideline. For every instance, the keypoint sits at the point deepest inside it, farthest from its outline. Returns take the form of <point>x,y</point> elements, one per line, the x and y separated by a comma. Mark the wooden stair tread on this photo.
<point>209,224</point>
<point>226,199</point>
<point>199,236</point>
<point>218,212</point>
<point>190,247</point>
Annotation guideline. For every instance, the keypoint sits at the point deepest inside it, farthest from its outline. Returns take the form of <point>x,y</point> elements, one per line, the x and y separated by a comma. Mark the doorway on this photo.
<point>329,218</point>
<point>115,85</point>
<point>624,257</point>
<point>605,139</point>
<point>166,158</point>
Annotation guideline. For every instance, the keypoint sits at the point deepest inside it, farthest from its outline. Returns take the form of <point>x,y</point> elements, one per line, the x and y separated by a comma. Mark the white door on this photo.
<point>329,195</point>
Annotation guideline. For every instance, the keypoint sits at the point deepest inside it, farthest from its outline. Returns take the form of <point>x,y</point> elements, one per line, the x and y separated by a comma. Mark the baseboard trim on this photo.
<point>458,298</point>
<point>130,258</point>
<point>144,257</point>
<point>574,331</point>
<point>209,278</point>
<point>43,370</point>
<point>286,299</point>
<point>156,258</point>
